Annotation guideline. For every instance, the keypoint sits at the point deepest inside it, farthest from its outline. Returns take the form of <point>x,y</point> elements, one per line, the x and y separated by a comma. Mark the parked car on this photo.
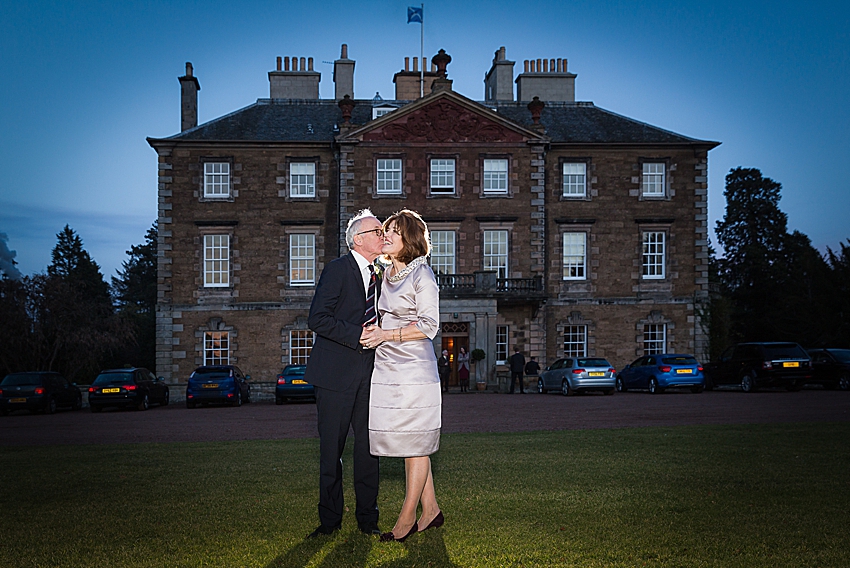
<point>291,384</point>
<point>577,374</point>
<point>755,365</point>
<point>662,371</point>
<point>218,383</point>
<point>831,368</point>
<point>38,392</point>
<point>132,387</point>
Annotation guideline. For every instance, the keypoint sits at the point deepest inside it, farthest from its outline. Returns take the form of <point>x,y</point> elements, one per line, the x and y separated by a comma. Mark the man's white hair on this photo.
<point>354,225</point>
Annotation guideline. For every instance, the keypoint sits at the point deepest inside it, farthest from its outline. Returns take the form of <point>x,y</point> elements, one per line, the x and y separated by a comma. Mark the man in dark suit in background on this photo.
<point>517,367</point>
<point>340,370</point>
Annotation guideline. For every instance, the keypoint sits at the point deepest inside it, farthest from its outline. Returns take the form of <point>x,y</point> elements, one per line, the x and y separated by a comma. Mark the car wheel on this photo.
<point>278,400</point>
<point>95,409</point>
<point>78,403</point>
<point>565,388</point>
<point>238,400</point>
<point>166,398</point>
<point>696,390</point>
<point>748,383</point>
<point>145,403</point>
<point>50,407</point>
<point>540,388</point>
<point>620,385</point>
<point>653,386</point>
<point>844,382</point>
<point>190,404</point>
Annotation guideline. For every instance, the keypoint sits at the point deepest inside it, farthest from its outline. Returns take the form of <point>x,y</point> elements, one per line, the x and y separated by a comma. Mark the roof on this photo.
<point>298,120</point>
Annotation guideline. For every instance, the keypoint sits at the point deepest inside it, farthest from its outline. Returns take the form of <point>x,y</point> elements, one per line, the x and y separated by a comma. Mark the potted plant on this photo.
<point>480,378</point>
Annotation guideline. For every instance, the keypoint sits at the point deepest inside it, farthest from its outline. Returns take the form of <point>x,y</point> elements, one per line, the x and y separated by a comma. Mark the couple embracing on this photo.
<point>374,369</point>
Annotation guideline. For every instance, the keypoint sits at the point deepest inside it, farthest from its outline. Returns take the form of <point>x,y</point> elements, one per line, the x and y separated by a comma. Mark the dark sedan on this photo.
<point>662,371</point>
<point>38,392</point>
<point>291,384</point>
<point>218,383</point>
<point>127,388</point>
<point>831,368</point>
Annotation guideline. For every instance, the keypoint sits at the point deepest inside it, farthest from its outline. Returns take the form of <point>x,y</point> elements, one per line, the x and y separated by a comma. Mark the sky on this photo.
<point>83,83</point>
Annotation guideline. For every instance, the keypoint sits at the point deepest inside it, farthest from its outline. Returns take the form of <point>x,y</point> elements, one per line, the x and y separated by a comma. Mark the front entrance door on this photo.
<point>454,336</point>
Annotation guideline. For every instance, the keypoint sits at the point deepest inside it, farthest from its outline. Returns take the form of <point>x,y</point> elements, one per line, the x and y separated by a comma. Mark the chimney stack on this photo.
<point>343,75</point>
<point>189,88</point>
<point>547,79</point>
<point>499,80</point>
<point>299,82</point>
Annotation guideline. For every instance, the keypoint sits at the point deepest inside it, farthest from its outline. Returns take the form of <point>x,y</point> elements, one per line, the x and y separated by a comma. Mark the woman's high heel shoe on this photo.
<point>390,537</point>
<point>436,523</point>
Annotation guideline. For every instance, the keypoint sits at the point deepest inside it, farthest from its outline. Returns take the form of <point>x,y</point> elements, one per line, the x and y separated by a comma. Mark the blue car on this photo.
<point>662,371</point>
<point>291,384</point>
<point>218,383</point>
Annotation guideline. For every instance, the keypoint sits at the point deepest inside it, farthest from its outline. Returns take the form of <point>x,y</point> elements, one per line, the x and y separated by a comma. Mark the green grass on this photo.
<point>724,496</point>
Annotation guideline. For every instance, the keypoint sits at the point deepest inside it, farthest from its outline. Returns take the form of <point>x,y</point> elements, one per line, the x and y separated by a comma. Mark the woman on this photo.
<point>405,400</point>
<point>463,369</point>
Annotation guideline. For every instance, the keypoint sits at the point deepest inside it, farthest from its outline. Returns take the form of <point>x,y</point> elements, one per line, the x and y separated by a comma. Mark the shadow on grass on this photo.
<point>353,549</point>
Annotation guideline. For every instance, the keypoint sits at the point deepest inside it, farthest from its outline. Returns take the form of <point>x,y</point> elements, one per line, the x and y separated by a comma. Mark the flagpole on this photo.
<point>422,53</point>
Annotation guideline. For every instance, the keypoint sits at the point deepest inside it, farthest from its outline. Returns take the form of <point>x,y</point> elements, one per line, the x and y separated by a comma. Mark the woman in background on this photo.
<point>463,369</point>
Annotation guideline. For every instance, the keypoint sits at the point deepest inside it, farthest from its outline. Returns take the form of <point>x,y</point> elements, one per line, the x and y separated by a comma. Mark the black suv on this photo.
<point>754,365</point>
<point>38,392</point>
<point>832,368</point>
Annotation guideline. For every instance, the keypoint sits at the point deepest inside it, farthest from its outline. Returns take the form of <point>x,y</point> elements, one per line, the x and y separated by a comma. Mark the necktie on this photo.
<point>370,316</point>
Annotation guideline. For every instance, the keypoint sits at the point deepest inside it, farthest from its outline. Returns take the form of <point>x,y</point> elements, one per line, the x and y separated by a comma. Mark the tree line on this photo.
<point>768,285</point>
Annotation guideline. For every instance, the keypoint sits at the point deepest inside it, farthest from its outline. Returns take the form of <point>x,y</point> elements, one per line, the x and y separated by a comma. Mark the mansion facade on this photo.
<point>558,228</point>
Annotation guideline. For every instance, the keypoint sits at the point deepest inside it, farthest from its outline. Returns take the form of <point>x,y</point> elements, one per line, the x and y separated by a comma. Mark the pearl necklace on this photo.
<point>407,269</point>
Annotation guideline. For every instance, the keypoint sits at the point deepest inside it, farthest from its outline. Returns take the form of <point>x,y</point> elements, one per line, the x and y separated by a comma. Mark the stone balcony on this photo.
<point>486,284</point>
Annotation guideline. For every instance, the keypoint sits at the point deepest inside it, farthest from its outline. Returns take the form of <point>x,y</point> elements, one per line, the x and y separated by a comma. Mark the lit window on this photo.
<point>302,259</point>
<point>652,182</point>
<point>216,261</point>
<point>300,346</point>
<point>389,176</point>
<point>302,179</point>
<point>378,112</point>
<point>575,256</point>
<point>575,341</point>
<point>443,252</point>
<point>501,343</point>
<point>575,179</point>
<point>496,252</point>
<point>653,255</point>
<point>216,348</point>
<point>654,338</point>
<point>442,176</point>
<point>216,179</point>
<point>495,176</point>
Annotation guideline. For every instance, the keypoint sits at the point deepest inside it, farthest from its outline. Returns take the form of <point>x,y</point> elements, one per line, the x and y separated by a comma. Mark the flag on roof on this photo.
<point>414,15</point>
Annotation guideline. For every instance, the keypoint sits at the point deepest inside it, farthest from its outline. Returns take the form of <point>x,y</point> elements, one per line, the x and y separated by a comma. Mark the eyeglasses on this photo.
<point>378,232</point>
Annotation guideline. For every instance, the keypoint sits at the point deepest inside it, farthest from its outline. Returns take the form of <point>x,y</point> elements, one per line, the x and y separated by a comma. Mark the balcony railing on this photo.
<point>486,283</point>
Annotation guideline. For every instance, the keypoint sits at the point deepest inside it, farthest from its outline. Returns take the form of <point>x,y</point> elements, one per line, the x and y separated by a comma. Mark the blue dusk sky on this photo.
<point>84,83</point>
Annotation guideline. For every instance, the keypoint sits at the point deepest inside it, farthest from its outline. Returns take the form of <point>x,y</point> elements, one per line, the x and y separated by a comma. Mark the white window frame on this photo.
<point>495,177</point>
<point>378,112</point>
<point>495,249</point>
<point>574,256</point>
<point>654,179</point>
<point>575,341</point>
<point>653,255</point>
<point>300,346</point>
<point>216,261</point>
<point>574,179</point>
<point>216,180</point>
<point>442,176</point>
<point>302,259</point>
<point>443,251</point>
<point>302,179</point>
<point>388,176</point>
<point>501,344</point>
<point>654,338</point>
<point>216,348</point>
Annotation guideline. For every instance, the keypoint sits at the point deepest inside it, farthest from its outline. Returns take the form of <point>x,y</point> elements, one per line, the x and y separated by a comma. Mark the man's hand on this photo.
<point>371,336</point>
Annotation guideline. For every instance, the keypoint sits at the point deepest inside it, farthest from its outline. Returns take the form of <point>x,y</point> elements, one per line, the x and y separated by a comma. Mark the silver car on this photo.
<point>575,374</point>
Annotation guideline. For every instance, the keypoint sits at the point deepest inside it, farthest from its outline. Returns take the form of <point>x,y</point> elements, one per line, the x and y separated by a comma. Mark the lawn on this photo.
<point>724,496</point>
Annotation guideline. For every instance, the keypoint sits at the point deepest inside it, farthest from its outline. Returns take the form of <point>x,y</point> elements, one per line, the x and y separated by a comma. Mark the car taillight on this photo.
<point>92,389</point>
<point>129,387</point>
<point>281,380</point>
<point>578,371</point>
<point>612,370</point>
<point>767,365</point>
<point>230,395</point>
<point>665,368</point>
<point>700,369</point>
<point>39,390</point>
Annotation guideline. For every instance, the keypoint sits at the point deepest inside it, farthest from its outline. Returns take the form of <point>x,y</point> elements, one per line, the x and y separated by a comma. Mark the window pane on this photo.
<point>653,179</point>
<point>302,259</point>
<point>654,338</point>
<point>496,252</point>
<point>389,176</point>
<point>216,348</point>
<point>495,176</point>
<point>302,179</point>
<point>442,176</point>
<point>575,252</point>
<point>216,260</point>
<point>653,255</point>
<point>575,179</point>
<point>443,252</point>
<point>575,341</point>
<point>216,179</point>
<point>501,343</point>
<point>300,346</point>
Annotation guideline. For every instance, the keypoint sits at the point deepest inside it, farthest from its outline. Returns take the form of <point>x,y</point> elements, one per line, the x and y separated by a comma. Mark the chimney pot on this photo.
<point>278,63</point>
<point>344,53</point>
<point>310,63</point>
<point>407,64</point>
<point>286,63</point>
<point>189,69</point>
<point>415,64</point>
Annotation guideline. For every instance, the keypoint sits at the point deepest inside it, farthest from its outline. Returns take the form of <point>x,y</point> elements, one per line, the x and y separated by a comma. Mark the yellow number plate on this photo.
<point>596,374</point>
<point>299,382</point>
<point>791,364</point>
<point>211,386</point>
<point>17,400</point>
<point>110,390</point>
<point>683,371</point>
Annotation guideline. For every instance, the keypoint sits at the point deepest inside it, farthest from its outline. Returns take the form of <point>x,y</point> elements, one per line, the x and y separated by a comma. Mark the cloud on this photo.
<point>7,259</point>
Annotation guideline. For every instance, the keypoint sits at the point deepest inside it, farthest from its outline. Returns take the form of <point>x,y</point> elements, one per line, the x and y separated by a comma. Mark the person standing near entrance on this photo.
<point>444,369</point>
<point>463,369</point>
<point>340,370</point>
<point>532,368</point>
<point>517,367</point>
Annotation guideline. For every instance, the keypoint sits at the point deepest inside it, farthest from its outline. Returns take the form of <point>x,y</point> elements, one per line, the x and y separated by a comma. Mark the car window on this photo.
<point>21,379</point>
<point>649,361</point>
<point>679,361</point>
<point>842,355</point>
<point>299,370</point>
<point>212,374</point>
<point>593,363</point>
<point>636,362</point>
<point>568,363</point>
<point>113,378</point>
<point>784,351</point>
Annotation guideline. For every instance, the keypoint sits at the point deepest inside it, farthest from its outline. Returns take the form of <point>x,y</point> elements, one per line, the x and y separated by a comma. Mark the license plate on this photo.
<point>791,364</point>
<point>110,390</point>
<point>684,371</point>
<point>299,382</point>
<point>596,374</point>
<point>211,386</point>
<point>17,400</point>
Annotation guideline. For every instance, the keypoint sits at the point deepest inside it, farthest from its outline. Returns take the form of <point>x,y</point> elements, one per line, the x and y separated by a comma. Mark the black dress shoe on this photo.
<point>323,530</point>
<point>369,528</point>
<point>390,537</point>
<point>436,523</point>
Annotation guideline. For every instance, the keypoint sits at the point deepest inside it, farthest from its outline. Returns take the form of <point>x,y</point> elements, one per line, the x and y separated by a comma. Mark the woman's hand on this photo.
<point>371,337</point>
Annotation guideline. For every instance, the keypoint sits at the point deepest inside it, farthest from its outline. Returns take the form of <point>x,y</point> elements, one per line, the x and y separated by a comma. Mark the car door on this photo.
<point>550,376</point>
<point>157,388</point>
<point>631,373</point>
<point>68,394</point>
<point>241,382</point>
